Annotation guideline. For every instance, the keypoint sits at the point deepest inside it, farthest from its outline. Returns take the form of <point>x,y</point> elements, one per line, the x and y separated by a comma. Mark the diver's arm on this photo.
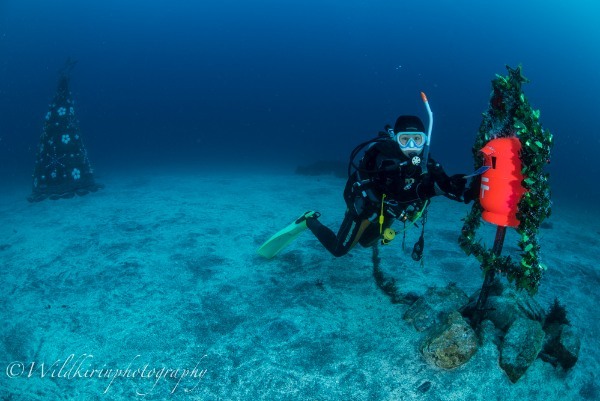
<point>452,187</point>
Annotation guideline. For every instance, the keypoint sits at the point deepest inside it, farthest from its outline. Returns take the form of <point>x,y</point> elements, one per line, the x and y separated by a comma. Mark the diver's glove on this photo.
<point>472,191</point>
<point>458,182</point>
<point>387,132</point>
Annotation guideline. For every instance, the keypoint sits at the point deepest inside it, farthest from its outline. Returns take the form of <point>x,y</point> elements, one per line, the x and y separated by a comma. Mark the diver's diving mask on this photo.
<point>411,142</point>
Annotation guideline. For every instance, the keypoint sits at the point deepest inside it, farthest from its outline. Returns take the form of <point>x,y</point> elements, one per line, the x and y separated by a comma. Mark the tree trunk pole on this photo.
<point>489,277</point>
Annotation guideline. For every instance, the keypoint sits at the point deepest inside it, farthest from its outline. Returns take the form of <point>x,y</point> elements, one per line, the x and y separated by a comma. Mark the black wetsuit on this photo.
<point>384,170</point>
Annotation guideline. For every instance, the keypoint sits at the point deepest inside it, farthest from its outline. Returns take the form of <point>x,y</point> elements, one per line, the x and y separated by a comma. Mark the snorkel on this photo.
<point>429,129</point>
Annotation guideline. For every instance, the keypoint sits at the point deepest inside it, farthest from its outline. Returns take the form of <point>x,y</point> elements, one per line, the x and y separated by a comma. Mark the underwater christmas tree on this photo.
<point>62,168</point>
<point>510,116</point>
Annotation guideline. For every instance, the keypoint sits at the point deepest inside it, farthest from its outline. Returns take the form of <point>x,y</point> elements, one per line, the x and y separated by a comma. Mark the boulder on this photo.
<point>489,333</point>
<point>521,346</point>
<point>502,311</point>
<point>528,306</point>
<point>505,305</point>
<point>435,306</point>
<point>450,344</point>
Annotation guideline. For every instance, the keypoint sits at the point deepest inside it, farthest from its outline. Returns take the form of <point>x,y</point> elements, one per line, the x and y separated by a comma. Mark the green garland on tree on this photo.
<point>510,115</point>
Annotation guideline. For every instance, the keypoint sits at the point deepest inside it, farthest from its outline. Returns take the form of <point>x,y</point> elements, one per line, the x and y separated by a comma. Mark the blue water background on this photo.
<point>231,82</point>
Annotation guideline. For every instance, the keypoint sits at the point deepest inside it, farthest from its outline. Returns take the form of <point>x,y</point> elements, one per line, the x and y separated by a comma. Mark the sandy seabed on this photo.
<point>152,288</point>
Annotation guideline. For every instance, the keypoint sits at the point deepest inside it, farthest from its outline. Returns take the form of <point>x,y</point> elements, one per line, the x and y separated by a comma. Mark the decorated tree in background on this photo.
<point>62,168</point>
<point>510,116</point>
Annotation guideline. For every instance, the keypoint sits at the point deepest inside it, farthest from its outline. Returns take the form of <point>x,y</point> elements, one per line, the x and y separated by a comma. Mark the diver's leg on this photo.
<point>346,237</point>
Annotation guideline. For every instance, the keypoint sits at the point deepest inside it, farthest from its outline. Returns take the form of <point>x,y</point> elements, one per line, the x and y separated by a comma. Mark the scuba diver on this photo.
<point>394,180</point>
